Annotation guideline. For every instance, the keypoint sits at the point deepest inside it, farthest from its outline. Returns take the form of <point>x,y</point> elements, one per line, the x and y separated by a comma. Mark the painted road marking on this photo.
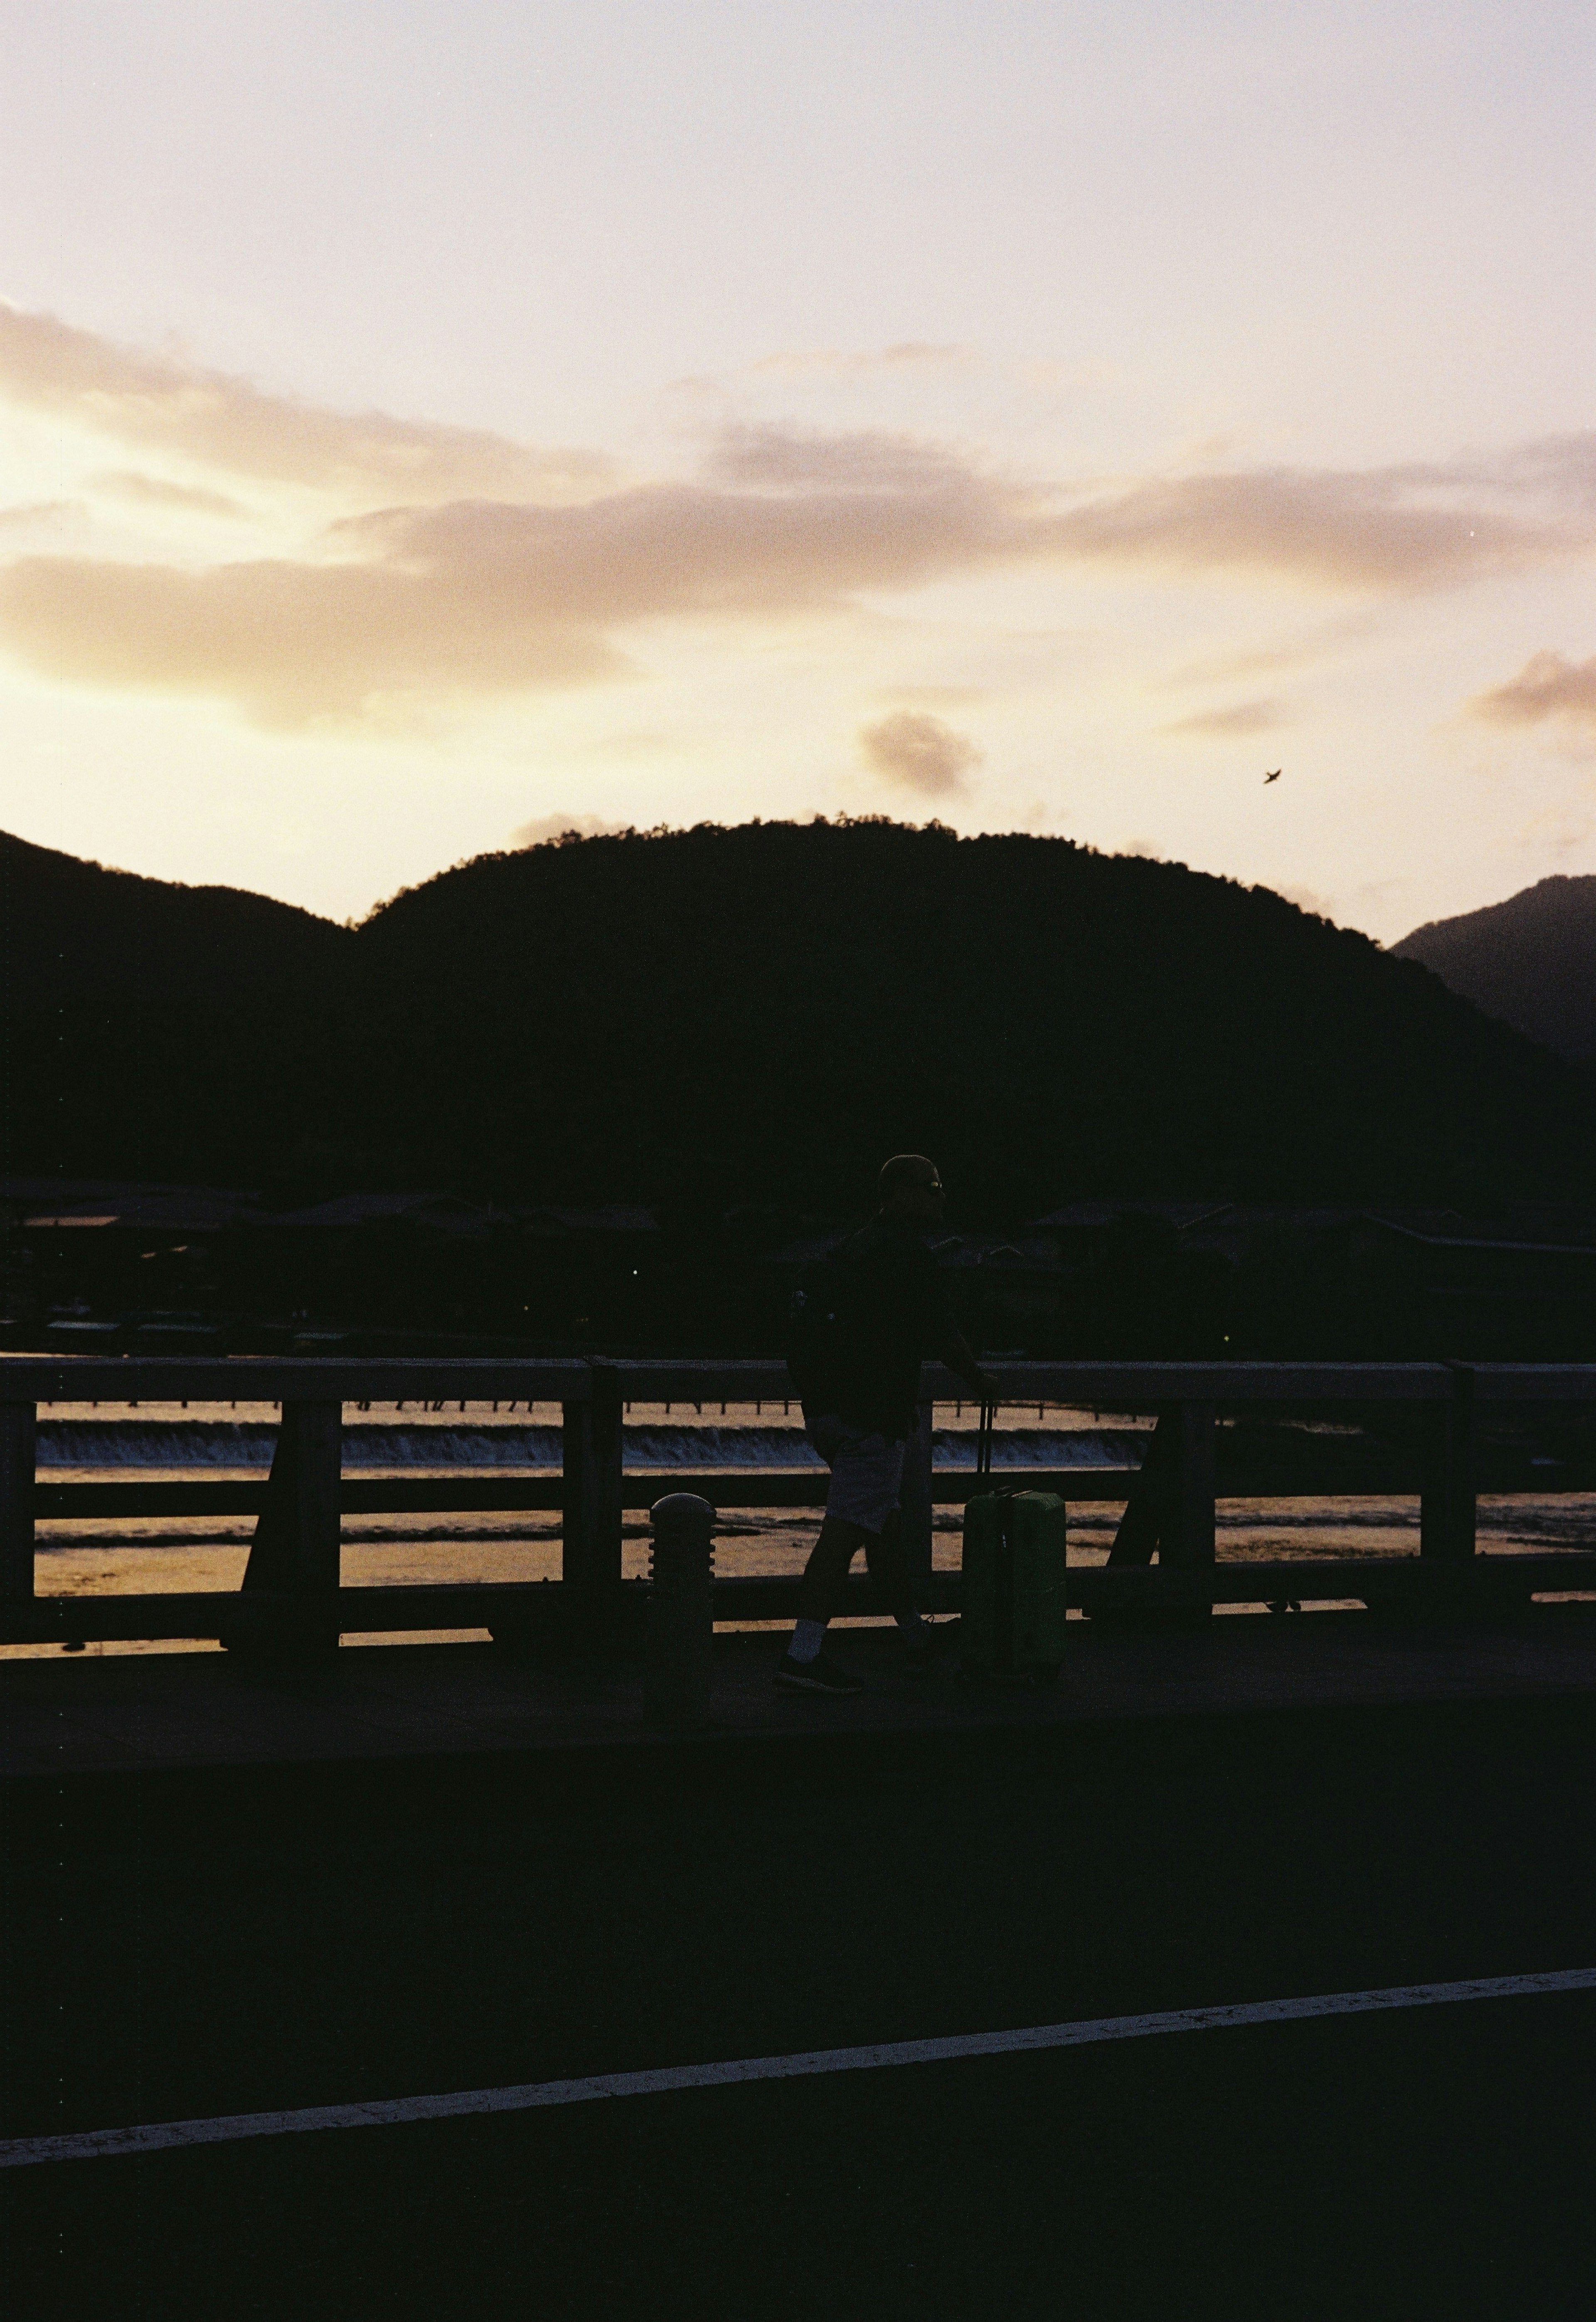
<point>166,2136</point>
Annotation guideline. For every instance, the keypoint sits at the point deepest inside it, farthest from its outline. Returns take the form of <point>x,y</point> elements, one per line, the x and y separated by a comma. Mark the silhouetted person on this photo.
<point>875,1311</point>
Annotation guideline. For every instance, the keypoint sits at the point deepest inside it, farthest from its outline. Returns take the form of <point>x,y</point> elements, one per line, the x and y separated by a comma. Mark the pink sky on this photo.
<point>421,427</point>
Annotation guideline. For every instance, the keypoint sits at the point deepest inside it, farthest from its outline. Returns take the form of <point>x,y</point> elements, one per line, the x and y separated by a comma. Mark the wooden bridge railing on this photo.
<point>1163,1556</point>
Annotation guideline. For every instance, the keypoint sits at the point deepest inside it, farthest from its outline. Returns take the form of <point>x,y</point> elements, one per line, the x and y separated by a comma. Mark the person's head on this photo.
<point>911,1187</point>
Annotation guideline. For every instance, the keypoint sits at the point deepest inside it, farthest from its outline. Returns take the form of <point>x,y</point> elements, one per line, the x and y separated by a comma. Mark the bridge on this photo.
<point>1220,1431</point>
<point>1248,1970</point>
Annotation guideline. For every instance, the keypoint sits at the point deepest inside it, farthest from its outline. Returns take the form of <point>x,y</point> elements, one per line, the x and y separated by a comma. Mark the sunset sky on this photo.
<point>423,427</point>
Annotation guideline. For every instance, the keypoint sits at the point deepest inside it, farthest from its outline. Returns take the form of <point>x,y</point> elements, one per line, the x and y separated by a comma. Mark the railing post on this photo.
<point>1186,1541</point>
<point>1147,1503</point>
<point>19,1432</point>
<point>916,1502</point>
<point>297,1548</point>
<point>590,1557</point>
<point>1446,1507</point>
<point>680,1610</point>
<point>576,1468</point>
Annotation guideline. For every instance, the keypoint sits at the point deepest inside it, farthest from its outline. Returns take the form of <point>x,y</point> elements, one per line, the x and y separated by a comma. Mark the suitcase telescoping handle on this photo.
<point>983,1439</point>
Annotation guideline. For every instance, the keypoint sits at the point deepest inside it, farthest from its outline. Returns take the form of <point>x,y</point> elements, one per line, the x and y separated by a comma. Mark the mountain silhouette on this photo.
<point>1530,961</point>
<point>709,1017</point>
<point>150,1030</point>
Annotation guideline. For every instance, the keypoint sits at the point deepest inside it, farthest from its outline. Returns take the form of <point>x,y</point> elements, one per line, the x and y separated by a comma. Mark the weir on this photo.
<point>1163,1565</point>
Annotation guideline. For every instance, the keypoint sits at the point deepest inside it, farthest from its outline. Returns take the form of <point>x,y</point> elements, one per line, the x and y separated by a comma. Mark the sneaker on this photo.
<point>821,1674</point>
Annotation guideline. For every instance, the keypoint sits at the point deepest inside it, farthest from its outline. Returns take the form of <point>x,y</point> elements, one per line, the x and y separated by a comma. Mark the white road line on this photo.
<point>164,2137</point>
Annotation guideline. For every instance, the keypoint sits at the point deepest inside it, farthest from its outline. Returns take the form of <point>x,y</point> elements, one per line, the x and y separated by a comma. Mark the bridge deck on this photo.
<point>234,1950</point>
<point>145,1714</point>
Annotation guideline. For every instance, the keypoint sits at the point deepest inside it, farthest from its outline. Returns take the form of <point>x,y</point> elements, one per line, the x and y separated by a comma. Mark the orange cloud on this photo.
<point>156,492</point>
<point>222,422</point>
<point>487,595</point>
<point>489,591</point>
<point>479,595</point>
<point>1375,531</point>
<point>288,644</point>
<point>919,752</point>
<point>483,595</point>
<point>1548,689</point>
<point>690,548</point>
<point>785,459</point>
<point>36,512</point>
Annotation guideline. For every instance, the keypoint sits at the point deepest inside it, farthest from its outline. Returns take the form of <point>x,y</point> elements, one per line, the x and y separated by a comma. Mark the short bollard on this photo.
<point>680,1610</point>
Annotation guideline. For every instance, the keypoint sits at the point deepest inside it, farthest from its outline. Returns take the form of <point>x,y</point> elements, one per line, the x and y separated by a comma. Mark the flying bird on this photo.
<point>1274,777</point>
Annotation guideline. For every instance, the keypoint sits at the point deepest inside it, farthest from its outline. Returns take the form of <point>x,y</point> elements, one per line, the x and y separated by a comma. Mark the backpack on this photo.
<point>821,1317</point>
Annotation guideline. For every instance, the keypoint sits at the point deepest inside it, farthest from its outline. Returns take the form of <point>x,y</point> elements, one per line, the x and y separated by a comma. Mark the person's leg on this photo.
<point>888,1553</point>
<point>866,1475</point>
<point>837,1544</point>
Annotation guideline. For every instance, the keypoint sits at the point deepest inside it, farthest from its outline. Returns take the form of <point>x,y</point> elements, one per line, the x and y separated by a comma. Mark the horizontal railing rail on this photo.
<point>1117,1386</point>
<point>1120,1387</point>
<point>781,1487</point>
<point>1163,1557</point>
<point>268,1378</point>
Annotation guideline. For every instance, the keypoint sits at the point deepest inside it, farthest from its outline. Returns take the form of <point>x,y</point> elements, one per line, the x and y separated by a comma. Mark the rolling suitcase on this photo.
<point>1013,1622</point>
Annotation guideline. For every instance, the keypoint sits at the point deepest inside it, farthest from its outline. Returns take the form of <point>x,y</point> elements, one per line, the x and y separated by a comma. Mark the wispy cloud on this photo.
<point>1378,531</point>
<point>1564,465</point>
<point>158,492</point>
<point>1245,717</point>
<point>906,354</point>
<point>1549,689</point>
<point>1235,664</point>
<point>692,548</point>
<point>31,512</point>
<point>787,459</point>
<point>217,421</point>
<point>488,595</point>
<point>482,596</point>
<point>459,563</point>
<point>289,644</point>
<point>918,753</point>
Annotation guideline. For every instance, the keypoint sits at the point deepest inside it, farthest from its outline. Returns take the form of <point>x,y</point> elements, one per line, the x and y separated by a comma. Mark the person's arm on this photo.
<point>956,1352</point>
<point>943,1336</point>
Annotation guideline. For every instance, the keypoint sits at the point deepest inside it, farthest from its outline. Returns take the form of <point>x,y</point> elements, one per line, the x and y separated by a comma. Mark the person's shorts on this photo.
<point>866,1472</point>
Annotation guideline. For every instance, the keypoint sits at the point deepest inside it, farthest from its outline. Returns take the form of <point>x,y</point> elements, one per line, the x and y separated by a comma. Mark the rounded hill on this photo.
<point>758,1014</point>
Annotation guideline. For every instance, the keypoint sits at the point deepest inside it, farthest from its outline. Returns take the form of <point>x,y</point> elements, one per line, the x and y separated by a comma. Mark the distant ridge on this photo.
<point>714,1019</point>
<point>150,1030</point>
<point>1530,961</point>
